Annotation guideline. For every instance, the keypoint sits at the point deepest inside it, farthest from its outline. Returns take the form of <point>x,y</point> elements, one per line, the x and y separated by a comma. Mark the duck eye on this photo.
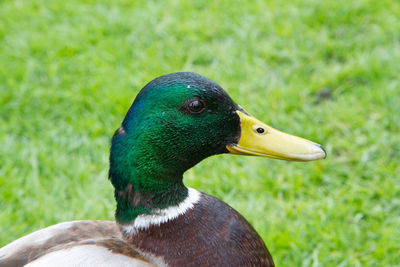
<point>196,106</point>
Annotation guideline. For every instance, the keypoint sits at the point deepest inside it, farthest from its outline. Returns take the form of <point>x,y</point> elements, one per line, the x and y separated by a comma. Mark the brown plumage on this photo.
<point>210,234</point>
<point>63,236</point>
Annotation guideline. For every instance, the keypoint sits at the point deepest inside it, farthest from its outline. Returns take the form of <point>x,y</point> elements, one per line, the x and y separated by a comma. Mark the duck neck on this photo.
<point>142,184</point>
<point>132,202</point>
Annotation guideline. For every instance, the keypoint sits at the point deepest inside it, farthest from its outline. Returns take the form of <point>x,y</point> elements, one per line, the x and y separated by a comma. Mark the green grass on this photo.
<point>324,70</point>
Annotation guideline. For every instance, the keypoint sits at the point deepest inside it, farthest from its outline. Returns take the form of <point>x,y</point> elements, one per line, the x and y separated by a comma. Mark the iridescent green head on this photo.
<point>176,121</point>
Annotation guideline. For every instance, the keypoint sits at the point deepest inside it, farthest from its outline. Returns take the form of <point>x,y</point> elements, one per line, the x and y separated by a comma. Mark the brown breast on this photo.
<point>210,234</point>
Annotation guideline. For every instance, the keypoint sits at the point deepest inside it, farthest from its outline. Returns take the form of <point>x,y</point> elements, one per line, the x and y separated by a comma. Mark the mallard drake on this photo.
<point>176,121</point>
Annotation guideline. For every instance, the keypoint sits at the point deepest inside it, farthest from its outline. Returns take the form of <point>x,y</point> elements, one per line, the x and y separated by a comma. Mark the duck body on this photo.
<point>176,121</point>
<point>194,238</point>
<point>209,234</point>
<point>75,243</point>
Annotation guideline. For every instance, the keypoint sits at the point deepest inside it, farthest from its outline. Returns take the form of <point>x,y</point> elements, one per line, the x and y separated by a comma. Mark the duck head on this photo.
<point>176,121</point>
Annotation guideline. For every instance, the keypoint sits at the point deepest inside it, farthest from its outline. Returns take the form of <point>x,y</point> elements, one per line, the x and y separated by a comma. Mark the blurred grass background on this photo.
<point>324,70</point>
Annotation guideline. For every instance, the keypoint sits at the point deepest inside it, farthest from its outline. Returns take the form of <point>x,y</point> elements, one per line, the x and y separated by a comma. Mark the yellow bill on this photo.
<point>259,139</point>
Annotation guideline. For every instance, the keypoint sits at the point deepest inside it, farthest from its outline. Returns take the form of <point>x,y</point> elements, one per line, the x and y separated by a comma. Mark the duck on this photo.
<point>175,121</point>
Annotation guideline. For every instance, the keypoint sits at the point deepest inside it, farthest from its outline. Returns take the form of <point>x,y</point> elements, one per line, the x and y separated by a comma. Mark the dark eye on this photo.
<point>196,106</point>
